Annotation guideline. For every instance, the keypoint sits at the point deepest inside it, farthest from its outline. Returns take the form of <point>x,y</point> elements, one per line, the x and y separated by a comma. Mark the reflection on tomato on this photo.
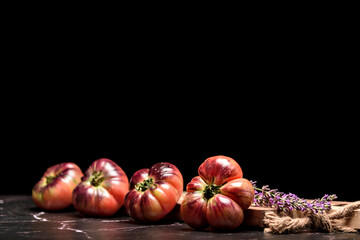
<point>102,189</point>
<point>54,190</point>
<point>218,196</point>
<point>154,192</point>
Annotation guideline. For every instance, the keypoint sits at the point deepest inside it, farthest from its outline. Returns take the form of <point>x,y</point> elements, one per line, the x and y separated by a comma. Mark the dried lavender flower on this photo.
<point>285,202</point>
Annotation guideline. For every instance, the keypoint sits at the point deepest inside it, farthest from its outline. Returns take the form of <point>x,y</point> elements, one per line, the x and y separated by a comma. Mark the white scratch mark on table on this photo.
<point>36,216</point>
<point>65,226</point>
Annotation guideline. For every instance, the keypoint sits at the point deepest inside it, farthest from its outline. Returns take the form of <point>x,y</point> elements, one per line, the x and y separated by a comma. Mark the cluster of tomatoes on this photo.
<point>216,198</point>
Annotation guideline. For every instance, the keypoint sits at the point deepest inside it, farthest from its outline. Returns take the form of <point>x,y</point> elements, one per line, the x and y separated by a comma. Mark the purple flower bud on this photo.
<point>285,202</point>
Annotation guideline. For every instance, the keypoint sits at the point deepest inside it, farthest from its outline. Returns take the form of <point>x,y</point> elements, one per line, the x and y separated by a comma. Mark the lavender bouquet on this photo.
<point>285,202</point>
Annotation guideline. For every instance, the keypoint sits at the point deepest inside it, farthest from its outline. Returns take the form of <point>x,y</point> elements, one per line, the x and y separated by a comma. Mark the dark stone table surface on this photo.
<point>20,219</point>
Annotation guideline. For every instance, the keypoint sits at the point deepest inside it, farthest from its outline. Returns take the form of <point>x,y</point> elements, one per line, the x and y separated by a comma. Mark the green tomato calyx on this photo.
<point>97,178</point>
<point>211,190</point>
<point>145,185</point>
<point>50,179</point>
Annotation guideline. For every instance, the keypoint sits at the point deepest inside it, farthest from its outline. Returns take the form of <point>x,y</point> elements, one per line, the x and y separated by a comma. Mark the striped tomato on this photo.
<point>154,192</point>
<point>102,190</point>
<point>218,196</point>
<point>54,190</point>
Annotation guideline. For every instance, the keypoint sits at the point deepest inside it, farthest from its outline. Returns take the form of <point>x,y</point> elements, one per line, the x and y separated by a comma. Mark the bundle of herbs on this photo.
<point>267,197</point>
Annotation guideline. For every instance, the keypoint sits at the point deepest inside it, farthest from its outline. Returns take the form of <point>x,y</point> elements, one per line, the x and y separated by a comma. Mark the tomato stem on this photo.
<point>145,185</point>
<point>211,190</point>
<point>50,179</point>
<point>97,178</point>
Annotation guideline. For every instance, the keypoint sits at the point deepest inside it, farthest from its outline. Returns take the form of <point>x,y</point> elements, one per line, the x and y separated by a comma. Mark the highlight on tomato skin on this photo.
<point>154,192</point>
<point>54,190</point>
<point>219,169</point>
<point>218,196</point>
<point>102,189</point>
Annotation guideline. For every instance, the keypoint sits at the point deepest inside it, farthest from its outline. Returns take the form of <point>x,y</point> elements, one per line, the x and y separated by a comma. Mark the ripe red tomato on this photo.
<point>154,192</point>
<point>102,189</point>
<point>54,190</point>
<point>218,196</point>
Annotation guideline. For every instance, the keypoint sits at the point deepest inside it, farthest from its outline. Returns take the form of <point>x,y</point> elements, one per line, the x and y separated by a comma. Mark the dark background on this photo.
<point>298,142</point>
<point>279,99</point>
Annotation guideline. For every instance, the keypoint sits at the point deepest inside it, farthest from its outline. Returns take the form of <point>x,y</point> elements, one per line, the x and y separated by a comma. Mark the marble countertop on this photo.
<point>21,219</point>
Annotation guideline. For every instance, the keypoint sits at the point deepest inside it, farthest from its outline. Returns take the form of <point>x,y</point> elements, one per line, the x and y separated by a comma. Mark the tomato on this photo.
<point>154,192</point>
<point>218,196</point>
<point>54,190</point>
<point>102,189</point>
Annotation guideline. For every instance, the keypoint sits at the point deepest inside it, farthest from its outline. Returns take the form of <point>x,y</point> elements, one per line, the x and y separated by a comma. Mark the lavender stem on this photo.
<point>285,202</point>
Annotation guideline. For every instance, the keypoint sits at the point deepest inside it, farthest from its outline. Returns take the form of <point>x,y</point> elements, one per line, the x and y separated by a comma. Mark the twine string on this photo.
<point>332,222</point>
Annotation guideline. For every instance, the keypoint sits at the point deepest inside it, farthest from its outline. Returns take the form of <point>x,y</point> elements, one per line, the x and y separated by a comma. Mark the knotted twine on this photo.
<point>326,222</point>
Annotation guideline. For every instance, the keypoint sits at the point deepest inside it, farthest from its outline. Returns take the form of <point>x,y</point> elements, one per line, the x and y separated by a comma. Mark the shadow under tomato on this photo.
<point>212,230</point>
<point>65,210</point>
<point>160,222</point>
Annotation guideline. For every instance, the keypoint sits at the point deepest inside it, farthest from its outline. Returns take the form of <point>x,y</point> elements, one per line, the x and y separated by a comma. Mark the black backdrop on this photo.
<point>301,146</point>
<point>276,100</point>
